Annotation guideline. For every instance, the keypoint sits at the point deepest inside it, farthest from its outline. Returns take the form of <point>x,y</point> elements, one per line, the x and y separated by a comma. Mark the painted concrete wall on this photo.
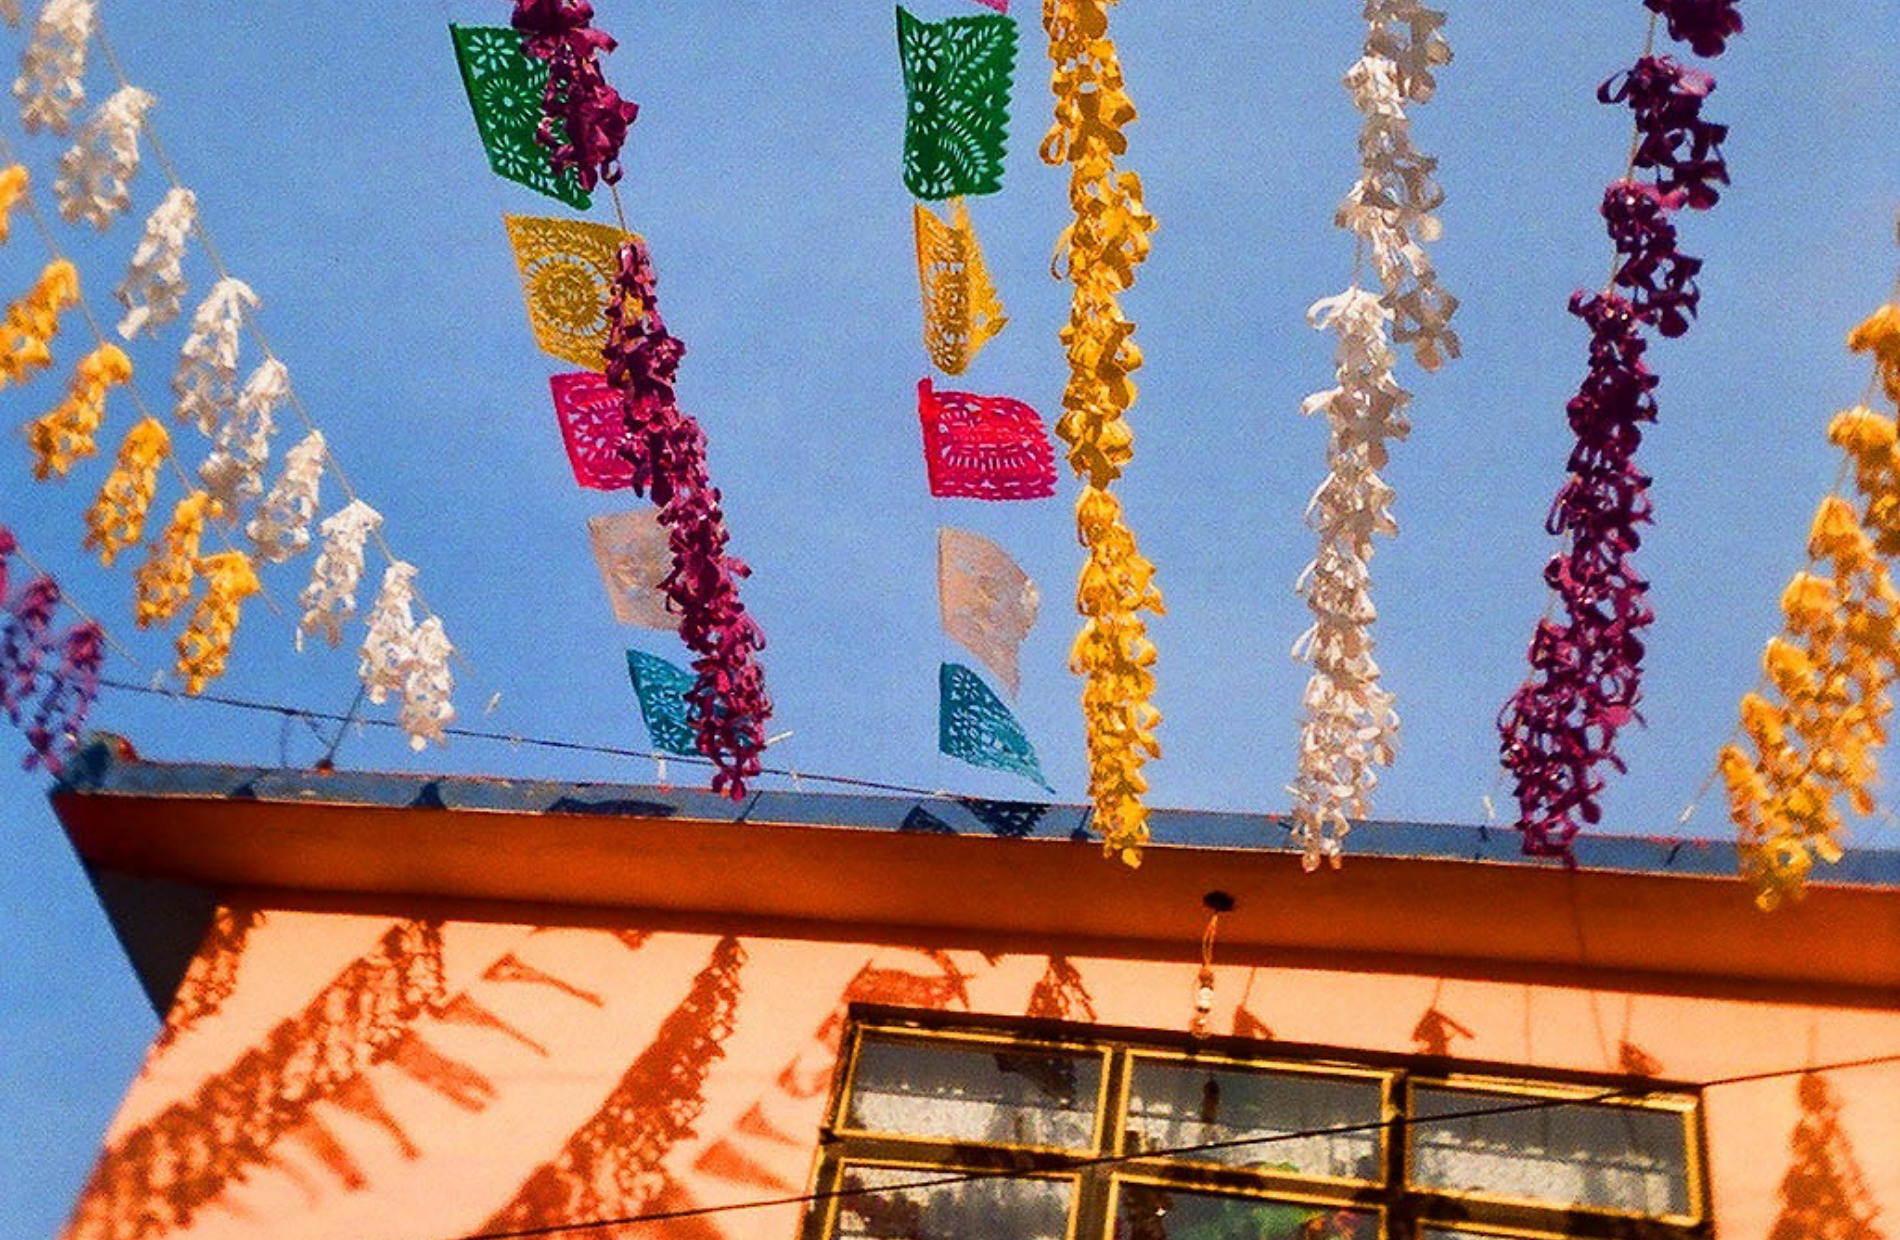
<point>344,1077</point>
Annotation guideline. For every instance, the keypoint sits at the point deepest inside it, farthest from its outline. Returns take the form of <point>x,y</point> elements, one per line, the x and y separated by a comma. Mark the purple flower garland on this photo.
<point>667,451</point>
<point>584,121</point>
<point>26,639</point>
<point>1558,731</point>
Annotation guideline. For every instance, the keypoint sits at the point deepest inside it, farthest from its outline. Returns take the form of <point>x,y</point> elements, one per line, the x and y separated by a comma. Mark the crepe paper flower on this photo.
<point>984,447</point>
<point>588,410</point>
<point>1660,279</point>
<point>153,290</point>
<point>506,92</point>
<point>974,726</point>
<point>1559,729</point>
<point>73,686</point>
<point>116,519</point>
<point>1869,440</point>
<point>956,123</point>
<point>51,86</point>
<point>10,12</point>
<point>1879,334</point>
<point>387,648</point>
<point>8,545</point>
<point>584,121</point>
<point>205,644</point>
<point>1389,207</point>
<point>961,312</point>
<point>1684,150</point>
<point>667,450</point>
<point>13,186</point>
<point>1348,726</point>
<point>234,472</point>
<point>427,687</point>
<point>634,554</point>
<point>206,381</point>
<point>94,171</point>
<point>1106,241</point>
<point>69,431</point>
<point>33,320</point>
<point>1705,25</point>
<point>25,640</point>
<point>567,273</point>
<point>329,601</point>
<point>163,582</point>
<point>987,602</point>
<point>281,527</point>
<point>661,689</point>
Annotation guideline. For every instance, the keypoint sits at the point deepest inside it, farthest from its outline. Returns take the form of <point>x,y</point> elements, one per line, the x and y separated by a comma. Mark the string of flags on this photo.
<point>549,120</point>
<point>1348,727</point>
<point>226,497</point>
<point>1817,720</point>
<point>1558,731</point>
<point>957,79</point>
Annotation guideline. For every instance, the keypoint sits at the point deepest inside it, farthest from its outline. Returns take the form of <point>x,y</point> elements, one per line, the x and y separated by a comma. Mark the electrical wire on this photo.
<point>1108,1160</point>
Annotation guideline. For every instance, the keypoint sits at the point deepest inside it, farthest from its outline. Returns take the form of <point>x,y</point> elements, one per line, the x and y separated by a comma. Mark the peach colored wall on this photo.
<point>342,1077</point>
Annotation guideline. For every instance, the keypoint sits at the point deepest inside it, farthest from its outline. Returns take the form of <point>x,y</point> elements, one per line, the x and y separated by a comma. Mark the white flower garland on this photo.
<point>93,172</point>
<point>10,12</point>
<point>330,598</point>
<point>281,528</point>
<point>153,290</point>
<point>427,686</point>
<point>234,472</point>
<point>388,646</point>
<point>51,85</point>
<point>206,382</point>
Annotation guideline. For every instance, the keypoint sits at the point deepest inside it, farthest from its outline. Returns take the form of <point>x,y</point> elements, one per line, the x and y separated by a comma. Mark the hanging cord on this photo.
<point>1216,903</point>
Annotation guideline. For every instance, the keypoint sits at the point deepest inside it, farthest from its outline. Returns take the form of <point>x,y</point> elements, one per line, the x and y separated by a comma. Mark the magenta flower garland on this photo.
<point>667,452</point>
<point>1558,731</point>
<point>585,121</point>
<point>26,639</point>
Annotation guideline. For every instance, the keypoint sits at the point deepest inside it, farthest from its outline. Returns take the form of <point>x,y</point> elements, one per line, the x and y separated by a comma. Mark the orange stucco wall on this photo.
<point>332,1076</point>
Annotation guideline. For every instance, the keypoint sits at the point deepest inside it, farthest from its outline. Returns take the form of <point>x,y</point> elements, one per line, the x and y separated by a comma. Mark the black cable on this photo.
<point>1103,1160</point>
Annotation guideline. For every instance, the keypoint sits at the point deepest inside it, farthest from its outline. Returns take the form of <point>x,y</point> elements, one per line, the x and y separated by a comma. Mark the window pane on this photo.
<point>1150,1212</point>
<point>985,1208</point>
<point>1630,1159</point>
<point>1175,1105</point>
<point>1009,1095</point>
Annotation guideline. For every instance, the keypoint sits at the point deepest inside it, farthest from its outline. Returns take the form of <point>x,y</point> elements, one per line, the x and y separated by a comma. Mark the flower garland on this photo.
<point>69,431</point>
<point>26,639</point>
<point>329,601</point>
<point>93,173</point>
<point>116,519</point>
<point>205,643</point>
<point>667,450</point>
<point>13,183</point>
<point>1348,728</point>
<point>153,290</point>
<point>51,86</point>
<point>33,321</point>
<point>1558,731</point>
<point>281,527</point>
<point>206,382</point>
<point>1107,240</point>
<point>585,121</point>
<point>163,582</point>
<point>233,473</point>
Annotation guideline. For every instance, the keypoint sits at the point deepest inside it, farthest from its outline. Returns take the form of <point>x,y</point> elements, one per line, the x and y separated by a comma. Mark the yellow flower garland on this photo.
<point>163,582</point>
<point>69,431</point>
<point>1879,334</point>
<point>13,182</point>
<point>1101,249</point>
<point>116,519</point>
<point>205,644</point>
<point>33,321</point>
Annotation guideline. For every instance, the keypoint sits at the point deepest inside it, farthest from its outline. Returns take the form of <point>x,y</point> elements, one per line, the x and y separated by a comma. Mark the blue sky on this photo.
<point>338,171</point>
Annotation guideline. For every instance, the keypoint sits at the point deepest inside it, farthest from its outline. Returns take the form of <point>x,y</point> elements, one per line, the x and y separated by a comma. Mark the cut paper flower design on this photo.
<point>204,647</point>
<point>634,556</point>
<point>988,603</point>
<point>392,628</point>
<point>506,88</point>
<point>1672,139</point>
<point>661,689</point>
<point>961,311</point>
<point>567,273</point>
<point>584,121</point>
<point>281,527</point>
<point>163,582</point>
<point>153,290</point>
<point>234,472</point>
<point>69,431</point>
<point>427,687</point>
<point>206,382</point>
<point>93,173</point>
<point>33,320</point>
<point>329,601</point>
<point>974,726</point>
<point>593,429</point>
<point>984,447</point>
<point>116,519</point>
<point>1705,25</point>
<point>51,86</point>
<point>956,78</point>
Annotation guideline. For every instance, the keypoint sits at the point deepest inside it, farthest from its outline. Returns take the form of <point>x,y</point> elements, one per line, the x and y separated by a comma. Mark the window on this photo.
<point>999,1130</point>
